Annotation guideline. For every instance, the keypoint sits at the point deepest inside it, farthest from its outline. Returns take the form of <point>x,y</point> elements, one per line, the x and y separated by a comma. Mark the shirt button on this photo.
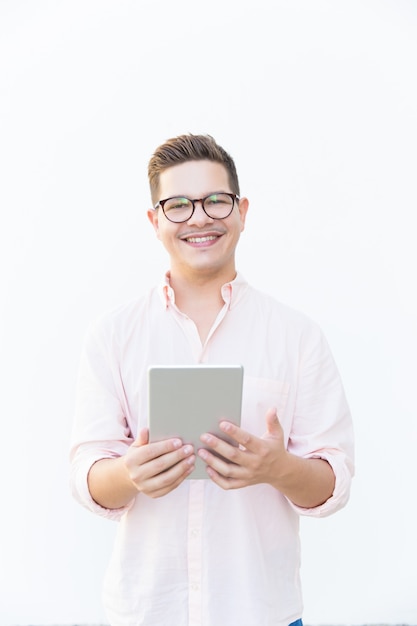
<point>194,532</point>
<point>195,587</point>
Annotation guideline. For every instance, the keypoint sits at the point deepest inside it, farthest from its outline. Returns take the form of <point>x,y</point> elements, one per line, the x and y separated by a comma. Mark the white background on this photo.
<point>316,101</point>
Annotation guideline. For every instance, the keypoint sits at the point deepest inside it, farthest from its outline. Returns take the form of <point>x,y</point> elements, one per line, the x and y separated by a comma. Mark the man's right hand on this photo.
<point>157,468</point>
<point>154,469</point>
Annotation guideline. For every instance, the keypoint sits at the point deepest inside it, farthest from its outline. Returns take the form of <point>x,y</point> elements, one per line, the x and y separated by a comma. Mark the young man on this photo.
<point>222,551</point>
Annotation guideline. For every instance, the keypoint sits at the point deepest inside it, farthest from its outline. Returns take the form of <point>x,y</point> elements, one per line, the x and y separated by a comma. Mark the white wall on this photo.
<point>316,100</point>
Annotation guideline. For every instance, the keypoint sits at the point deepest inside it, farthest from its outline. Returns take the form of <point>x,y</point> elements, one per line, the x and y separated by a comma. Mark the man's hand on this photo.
<point>157,468</point>
<point>151,468</point>
<point>307,482</point>
<point>255,460</point>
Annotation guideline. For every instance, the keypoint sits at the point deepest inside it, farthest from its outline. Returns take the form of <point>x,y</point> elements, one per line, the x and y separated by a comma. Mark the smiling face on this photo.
<point>202,247</point>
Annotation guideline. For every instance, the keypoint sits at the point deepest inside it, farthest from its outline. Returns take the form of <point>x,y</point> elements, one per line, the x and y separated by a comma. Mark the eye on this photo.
<point>214,199</point>
<point>218,199</point>
<point>177,203</point>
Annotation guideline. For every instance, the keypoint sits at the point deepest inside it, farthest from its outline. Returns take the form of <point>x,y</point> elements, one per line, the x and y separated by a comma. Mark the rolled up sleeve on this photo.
<point>100,428</point>
<point>322,425</point>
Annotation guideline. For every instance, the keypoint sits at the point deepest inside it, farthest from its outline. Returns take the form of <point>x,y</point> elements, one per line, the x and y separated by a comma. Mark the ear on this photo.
<point>243,209</point>
<point>153,218</point>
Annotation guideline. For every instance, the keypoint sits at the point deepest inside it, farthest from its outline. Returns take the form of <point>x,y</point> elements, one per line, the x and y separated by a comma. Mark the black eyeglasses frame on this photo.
<point>233,196</point>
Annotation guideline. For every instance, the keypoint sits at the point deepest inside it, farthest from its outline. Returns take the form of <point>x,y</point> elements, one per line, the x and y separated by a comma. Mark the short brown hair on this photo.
<point>189,148</point>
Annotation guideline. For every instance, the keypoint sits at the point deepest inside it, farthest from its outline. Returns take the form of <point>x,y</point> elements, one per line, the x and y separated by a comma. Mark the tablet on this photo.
<point>187,401</point>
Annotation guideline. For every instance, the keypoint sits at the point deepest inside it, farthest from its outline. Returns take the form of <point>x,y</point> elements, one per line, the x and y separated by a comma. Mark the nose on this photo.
<point>199,216</point>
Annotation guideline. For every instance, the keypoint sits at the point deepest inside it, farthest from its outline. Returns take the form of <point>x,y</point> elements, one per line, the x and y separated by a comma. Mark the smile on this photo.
<point>201,239</point>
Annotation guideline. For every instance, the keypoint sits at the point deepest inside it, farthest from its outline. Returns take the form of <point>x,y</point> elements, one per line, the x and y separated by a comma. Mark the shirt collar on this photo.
<point>231,291</point>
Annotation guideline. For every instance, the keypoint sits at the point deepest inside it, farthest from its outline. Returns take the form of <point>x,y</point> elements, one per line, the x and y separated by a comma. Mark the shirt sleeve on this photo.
<point>100,428</point>
<point>322,425</point>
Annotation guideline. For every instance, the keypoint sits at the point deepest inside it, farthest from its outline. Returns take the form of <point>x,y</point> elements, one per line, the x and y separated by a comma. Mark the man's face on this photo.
<point>201,246</point>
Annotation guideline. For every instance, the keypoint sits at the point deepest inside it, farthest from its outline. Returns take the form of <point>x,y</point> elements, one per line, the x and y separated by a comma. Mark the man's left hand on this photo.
<point>255,460</point>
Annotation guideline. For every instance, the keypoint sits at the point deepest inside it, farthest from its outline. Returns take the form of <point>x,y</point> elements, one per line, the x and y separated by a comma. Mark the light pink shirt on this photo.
<point>201,555</point>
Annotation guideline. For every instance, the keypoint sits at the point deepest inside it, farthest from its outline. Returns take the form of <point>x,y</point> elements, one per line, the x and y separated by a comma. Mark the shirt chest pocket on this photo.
<point>259,395</point>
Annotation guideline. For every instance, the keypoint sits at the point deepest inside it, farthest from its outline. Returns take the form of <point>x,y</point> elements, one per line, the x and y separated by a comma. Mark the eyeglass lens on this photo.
<point>217,206</point>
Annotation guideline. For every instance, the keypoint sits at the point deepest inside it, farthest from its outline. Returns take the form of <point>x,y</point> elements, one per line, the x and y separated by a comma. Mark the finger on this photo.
<point>273,426</point>
<point>242,437</point>
<point>164,482</point>
<point>150,451</point>
<point>225,481</point>
<point>272,422</point>
<point>226,449</point>
<point>142,438</point>
<point>147,461</point>
<point>221,464</point>
<point>165,462</point>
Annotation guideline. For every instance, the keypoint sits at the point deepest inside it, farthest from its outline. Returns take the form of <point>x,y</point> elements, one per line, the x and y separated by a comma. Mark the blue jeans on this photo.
<point>299,622</point>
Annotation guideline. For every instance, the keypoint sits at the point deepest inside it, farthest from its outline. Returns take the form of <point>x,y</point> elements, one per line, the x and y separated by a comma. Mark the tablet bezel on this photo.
<point>186,401</point>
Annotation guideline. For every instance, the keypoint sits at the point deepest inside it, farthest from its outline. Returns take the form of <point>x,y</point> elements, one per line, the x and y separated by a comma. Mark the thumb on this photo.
<point>273,426</point>
<point>142,439</point>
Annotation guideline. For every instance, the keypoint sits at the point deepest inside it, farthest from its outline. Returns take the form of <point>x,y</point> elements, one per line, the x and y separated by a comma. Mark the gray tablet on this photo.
<point>187,401</point>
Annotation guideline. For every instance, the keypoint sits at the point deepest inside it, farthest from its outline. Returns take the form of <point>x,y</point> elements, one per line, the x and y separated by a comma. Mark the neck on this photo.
<point>199,289</point>
<point>199,293</point>
<point>201,300</point>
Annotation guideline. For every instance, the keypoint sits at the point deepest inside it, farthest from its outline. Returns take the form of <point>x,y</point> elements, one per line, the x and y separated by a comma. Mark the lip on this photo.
<point>201,239</point>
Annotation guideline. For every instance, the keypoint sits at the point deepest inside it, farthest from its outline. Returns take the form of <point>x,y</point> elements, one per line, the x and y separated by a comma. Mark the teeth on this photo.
<point>200,239</point>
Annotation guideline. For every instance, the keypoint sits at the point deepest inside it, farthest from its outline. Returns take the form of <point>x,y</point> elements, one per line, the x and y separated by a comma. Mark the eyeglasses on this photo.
<point>217,206</point>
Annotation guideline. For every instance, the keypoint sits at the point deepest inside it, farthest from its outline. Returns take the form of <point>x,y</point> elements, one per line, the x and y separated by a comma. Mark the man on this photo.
<point>222,551</point>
